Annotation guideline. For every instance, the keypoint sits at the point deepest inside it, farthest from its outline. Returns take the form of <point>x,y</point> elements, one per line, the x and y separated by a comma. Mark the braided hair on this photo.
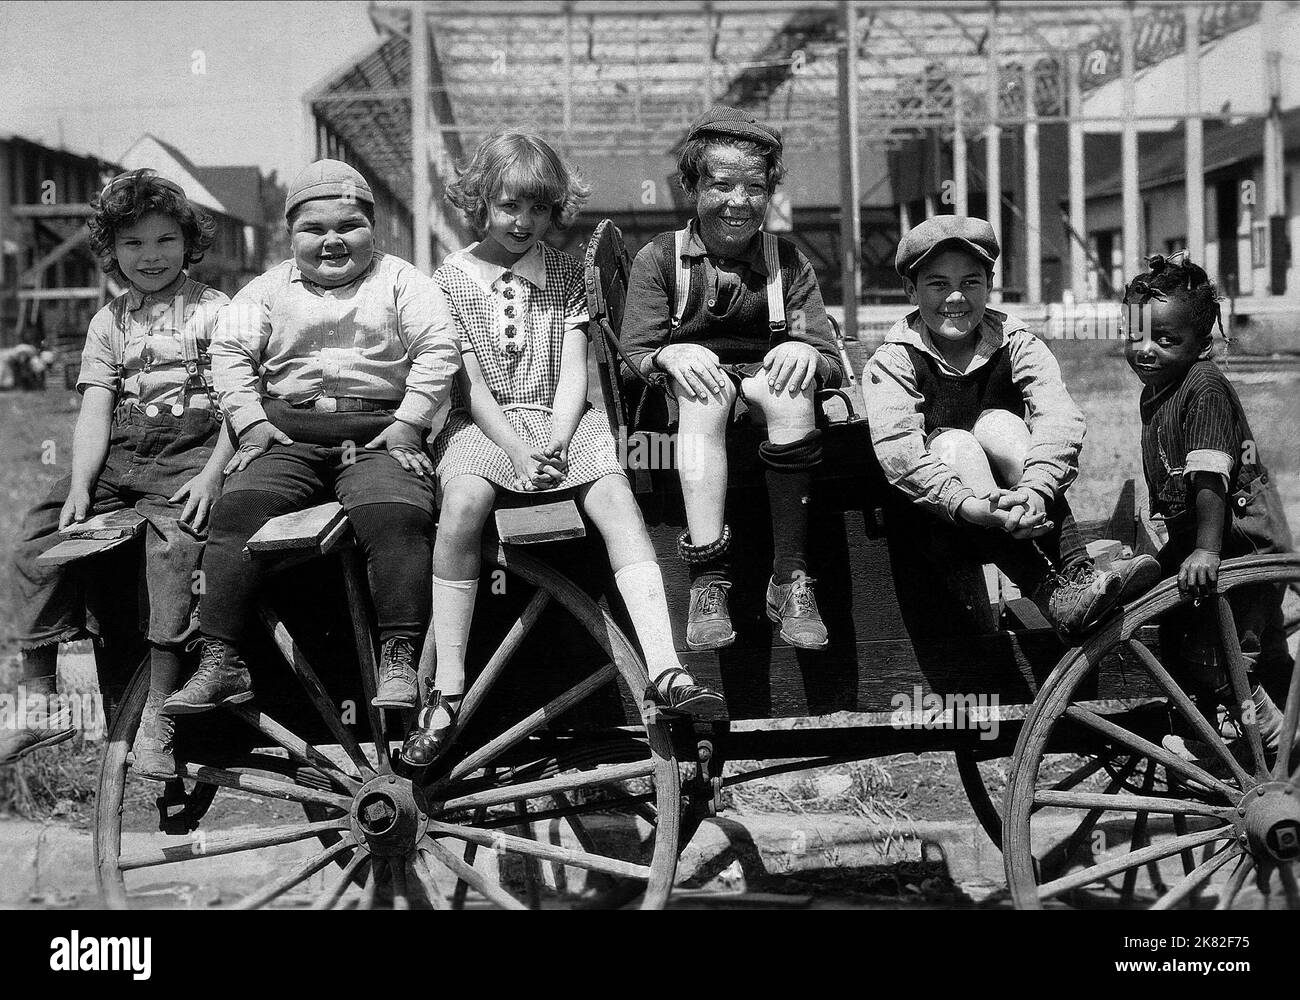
<point>1174,276</point>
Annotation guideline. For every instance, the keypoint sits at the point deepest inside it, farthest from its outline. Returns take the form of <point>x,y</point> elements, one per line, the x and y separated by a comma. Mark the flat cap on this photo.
<point>327,179</point>
<point>968,232</point>
<point>722,120</point>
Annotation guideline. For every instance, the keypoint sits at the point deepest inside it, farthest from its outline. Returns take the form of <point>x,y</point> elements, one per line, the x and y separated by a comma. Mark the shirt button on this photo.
<point>510,331</point>
<point>713,302</point>
<point>510,311</point>
<point>507,276</point>
<point>509,293</point>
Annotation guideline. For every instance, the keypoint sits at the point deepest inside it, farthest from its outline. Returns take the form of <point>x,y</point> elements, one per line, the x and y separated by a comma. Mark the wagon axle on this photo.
<point>389,815</point>
<point>1269,818</point>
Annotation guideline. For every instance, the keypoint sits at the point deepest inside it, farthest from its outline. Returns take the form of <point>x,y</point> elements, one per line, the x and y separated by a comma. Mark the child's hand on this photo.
<point>553,459</point>
<point>1199,573</point>
<point>405,443</point>
<point>695,368</point>
<point>253,442</point>
<point>199,495</point>
<point>530,473</point>
<point>792,364</point>
<point>75,509</point>
<point>1026,513</point>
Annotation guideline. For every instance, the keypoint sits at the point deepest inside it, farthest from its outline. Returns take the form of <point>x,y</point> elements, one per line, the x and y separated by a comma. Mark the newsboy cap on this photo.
<point>327,179</point>
<point>722,120</point>
<point>970,233</point>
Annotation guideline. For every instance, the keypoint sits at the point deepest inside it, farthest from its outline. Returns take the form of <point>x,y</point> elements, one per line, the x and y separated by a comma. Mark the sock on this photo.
<point>642,588</point>
<point>164,670</point>
<point>789,482</point>
<point>1268,717</point>
<point>453,610</point>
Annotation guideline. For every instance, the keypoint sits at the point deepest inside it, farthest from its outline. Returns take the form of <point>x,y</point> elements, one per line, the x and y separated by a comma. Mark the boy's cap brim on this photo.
<point>327,179</point>
<point>722,120</point>
<point>971,234</point>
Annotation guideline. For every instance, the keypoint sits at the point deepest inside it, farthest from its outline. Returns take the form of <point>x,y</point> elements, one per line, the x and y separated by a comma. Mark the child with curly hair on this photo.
<point>521,421</point>
<point>148,437</point>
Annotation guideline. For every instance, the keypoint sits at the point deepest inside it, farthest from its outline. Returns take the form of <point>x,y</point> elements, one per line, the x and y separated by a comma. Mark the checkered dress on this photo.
<point>516,331</point>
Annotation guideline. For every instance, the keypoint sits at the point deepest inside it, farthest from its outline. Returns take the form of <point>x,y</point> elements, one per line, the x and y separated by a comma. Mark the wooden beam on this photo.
<point>1033,214</point>
<point>1077,168</point>
<point>850,219</point>
<point>55,294</point>
<point>1195,140</point>
<point>961,201</point>
<point>81,235</point>
<point>421,193</point>
<point>68,210</point>
<point>992,147</point>
<point>1131,206</point>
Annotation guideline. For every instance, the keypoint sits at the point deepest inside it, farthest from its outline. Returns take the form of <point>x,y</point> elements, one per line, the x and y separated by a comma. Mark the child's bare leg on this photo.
<point>466,503</point>
<point>1005,440</point>
<point>609,503</point>
<point>962,452</point>
<point>702,460</point>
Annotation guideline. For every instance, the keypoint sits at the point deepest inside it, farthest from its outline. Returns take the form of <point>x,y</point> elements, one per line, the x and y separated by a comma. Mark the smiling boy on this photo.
<point>970,419</point>
<point>331,367</point>
<point>721,313</point>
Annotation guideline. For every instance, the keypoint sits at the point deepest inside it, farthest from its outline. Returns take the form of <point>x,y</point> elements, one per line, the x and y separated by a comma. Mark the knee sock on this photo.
<point>397,541</point>
<point>789,481</point>
<point>642,588</point>
<point>453,610</point>
<point>715,568</point>
<point>164,670</point>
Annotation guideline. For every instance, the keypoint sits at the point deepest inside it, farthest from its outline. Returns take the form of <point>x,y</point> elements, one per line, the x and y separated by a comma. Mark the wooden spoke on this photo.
<point>401,901</point>
<point>1188,710</point>
<point>526,726</point>
<point>299,749</point>
<point>637,804</point>
<point>211,847</point>
<point>264,786</point>
<point>354,872</point>
<point>354,580</point>
<point>537,849</point>
<point>491,891</point>
<point>1129,803</point>
<point>1290,720</point>
<point>1196,878</point>
<point>1180,828</point>
<point>1240,684</point>
<point>1114,866</point>
<point>579,831</point>
<point>299,873</point>
<point>1287,874</point>
<point>371,893</point>
<point>501,656</point>
<point>604,774</point>
<point>1235,881</point>
<point>320,700</point>
<point>1148,749</point>
<point>532,876</point>
<point>1060,856</point>
<point>1139,839</point>
<point>431,890</point>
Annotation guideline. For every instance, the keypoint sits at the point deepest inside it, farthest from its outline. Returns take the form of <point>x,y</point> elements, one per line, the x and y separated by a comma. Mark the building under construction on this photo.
<point>1106,129</point>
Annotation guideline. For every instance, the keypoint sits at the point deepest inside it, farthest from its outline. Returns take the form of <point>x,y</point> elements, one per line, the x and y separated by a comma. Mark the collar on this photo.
<point>994,330</point>
<point>1152,398</point>
<point>136,298</point>
<point>295,274</point>
<point>753,255</point>
<point>531,267</point>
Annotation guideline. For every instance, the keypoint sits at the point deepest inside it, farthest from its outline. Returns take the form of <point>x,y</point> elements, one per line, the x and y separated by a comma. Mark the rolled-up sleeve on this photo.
<point>807,320</point>
<point>242,334</point>
<point>432,344</point>
<point>647,316</point>
<point>894,405</point>
<point>100,365</point>
<point>1056,424</point>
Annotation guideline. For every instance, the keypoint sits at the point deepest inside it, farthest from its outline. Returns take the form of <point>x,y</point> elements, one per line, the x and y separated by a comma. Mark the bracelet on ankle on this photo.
<point>696,554</point>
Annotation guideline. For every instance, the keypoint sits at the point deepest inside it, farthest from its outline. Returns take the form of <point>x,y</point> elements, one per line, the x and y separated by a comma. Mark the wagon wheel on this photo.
<point>390,835</point>
<point>1197,835</point>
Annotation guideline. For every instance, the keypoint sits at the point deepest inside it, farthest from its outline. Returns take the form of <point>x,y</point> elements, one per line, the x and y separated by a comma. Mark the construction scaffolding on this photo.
<point>606,78</point>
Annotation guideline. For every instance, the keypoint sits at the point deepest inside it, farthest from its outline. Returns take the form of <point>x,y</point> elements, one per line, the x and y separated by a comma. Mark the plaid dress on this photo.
<point>514,322</point>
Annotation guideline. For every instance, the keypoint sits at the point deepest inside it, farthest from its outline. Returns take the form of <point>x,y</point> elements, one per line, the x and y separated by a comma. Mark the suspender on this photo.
<point>775,287</point>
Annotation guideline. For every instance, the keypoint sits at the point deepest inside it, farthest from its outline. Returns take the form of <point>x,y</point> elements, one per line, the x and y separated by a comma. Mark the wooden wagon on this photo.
<point>565,785</point>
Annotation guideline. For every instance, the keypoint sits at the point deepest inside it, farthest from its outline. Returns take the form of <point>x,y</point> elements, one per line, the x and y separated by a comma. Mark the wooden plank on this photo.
<point>113,524</point>
<point>71,210</point>
<point>79,548</point>
<point>544,522</point>
<point>303,529</point>
<point>55,294</point>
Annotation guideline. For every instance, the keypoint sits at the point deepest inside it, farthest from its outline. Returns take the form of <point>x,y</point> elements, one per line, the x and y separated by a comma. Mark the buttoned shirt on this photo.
<point>896,412</point>
<point>387,336</point>
<point>136,345</point>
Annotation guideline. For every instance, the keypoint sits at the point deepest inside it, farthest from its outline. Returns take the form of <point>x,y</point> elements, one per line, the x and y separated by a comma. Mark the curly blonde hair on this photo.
<point>526,166</point>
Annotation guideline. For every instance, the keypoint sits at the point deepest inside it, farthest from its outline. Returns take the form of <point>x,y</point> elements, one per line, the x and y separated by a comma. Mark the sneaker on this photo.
<point>398,687</point>
<point>15,744</point>
<point>708,622</point>
<point>1076,601</point>
<point>1136,576</point>
<point>152,753</point>
<point>794,607</point>
<point>221,679</point>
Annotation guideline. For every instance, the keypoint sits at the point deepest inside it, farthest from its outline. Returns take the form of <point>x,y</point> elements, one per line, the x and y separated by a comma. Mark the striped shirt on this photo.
<point>135,345</point>
<point>387,336</point>
<point>896,412</point>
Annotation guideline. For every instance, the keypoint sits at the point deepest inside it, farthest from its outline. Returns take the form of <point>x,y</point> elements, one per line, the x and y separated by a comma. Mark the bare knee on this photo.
<point>962,452</point>
<point>1004,437</point>
<point>779,411</point>
<point>466,503</point>
<point>708,414</point>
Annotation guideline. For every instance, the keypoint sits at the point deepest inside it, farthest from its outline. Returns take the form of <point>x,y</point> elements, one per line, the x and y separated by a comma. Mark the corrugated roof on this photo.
<point>239,188</point>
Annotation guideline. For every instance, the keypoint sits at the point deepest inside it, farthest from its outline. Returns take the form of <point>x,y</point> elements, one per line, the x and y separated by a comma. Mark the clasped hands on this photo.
<point>1021,513</point>
<point>540,469</point>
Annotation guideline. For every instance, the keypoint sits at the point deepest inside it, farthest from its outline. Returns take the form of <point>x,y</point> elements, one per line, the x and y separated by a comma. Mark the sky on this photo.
<point>223,82</point>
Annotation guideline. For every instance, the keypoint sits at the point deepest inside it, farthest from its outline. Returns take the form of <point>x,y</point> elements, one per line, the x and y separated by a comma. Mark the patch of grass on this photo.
<point>56,783</point>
